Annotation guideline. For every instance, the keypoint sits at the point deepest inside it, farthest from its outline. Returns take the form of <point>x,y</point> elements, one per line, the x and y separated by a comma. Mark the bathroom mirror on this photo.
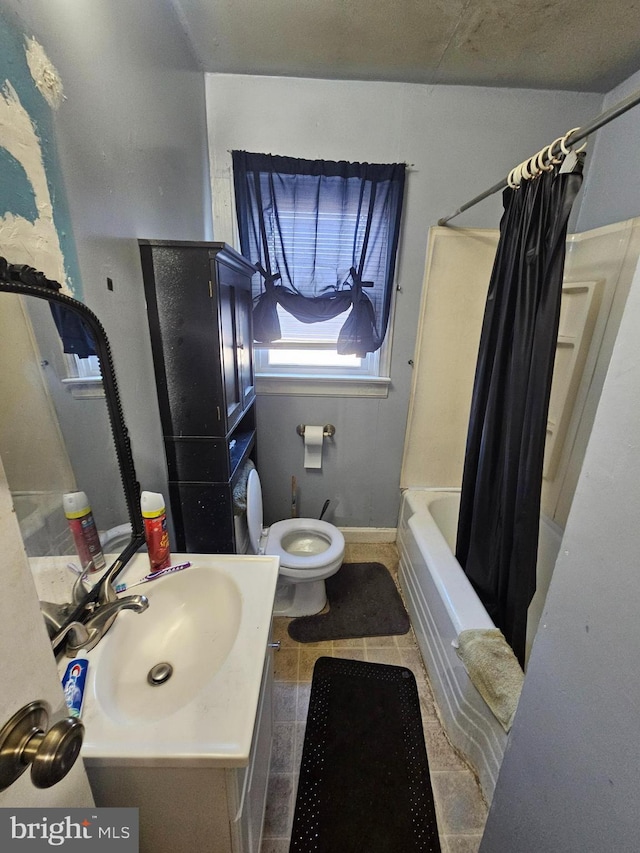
<point>61,423</point>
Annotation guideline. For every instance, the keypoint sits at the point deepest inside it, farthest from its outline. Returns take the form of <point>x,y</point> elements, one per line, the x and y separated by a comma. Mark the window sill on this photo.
<point>323,386</point>
<point>85,387</point>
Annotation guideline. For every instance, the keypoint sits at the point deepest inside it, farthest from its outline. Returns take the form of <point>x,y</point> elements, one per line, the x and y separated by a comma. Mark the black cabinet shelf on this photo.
<point>199,309</point>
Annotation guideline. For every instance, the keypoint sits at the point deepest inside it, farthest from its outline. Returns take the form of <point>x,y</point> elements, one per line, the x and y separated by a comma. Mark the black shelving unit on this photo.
<point>199,309</point>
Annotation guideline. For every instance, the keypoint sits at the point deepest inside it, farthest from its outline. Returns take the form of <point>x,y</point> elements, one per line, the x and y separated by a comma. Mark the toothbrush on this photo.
<point>122,587</point>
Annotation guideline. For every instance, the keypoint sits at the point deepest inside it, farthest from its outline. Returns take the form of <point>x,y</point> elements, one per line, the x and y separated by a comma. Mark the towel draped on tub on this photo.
<point>493,669</point>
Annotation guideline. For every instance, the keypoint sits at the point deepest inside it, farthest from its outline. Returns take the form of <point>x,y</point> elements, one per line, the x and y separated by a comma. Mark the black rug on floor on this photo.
<point>363,602</point>
<point>364,779</point>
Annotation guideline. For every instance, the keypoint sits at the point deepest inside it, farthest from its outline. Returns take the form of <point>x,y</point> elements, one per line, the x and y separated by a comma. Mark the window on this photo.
<point>84,376</point>
<point>324,236</point>
<point>82,364</point>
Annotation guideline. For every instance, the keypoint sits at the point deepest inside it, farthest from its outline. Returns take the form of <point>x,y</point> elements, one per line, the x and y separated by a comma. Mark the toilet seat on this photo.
<point>307,535</point>
<point>297,529</point>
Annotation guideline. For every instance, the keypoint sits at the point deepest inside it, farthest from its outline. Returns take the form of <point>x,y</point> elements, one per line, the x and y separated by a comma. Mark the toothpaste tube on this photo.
<point>73,684</point>
<point>121,587</point>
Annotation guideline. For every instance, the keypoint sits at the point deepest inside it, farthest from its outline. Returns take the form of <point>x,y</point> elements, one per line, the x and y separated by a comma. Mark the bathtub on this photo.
<point>442,603</point>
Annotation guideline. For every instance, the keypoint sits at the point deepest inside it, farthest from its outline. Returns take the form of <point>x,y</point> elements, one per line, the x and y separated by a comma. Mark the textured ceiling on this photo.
<point>580,45</point>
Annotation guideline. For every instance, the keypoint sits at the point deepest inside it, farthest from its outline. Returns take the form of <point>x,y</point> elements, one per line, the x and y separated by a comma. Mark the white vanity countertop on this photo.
<point>218,657</point>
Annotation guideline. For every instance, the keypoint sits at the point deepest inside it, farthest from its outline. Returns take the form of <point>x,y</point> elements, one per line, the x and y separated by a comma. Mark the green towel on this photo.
<point>493,669</point>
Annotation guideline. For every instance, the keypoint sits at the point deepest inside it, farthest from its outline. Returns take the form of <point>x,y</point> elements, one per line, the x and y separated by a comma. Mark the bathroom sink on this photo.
<point>191,624</point>
<point>211,624</point>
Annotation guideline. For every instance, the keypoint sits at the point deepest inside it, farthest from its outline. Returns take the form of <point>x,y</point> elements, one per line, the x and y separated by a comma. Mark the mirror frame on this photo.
<point>26,281</point>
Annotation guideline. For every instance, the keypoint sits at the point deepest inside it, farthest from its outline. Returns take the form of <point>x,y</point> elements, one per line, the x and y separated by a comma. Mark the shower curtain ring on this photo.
<point>517,175</point>
<point>563,143</point>
<point>526,174</point>
<point>553,158</point>
<point>540,163</point>
<point>510,179</point>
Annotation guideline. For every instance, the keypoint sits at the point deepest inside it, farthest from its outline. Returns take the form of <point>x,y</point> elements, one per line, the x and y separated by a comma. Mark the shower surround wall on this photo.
<point>458,268</point>
<point>599,271</point>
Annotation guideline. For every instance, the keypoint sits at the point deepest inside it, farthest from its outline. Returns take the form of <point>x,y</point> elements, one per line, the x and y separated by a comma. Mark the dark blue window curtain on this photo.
<point>76,337</point>
<point>324,236</point>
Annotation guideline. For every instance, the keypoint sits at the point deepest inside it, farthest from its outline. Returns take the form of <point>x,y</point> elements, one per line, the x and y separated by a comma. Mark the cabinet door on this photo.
<point>229,350</point>
<point>245,345</point>
<point>182,309</point>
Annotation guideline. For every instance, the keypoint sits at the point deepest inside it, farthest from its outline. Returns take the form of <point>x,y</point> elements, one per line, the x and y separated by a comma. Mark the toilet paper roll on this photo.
<point>313,436</point>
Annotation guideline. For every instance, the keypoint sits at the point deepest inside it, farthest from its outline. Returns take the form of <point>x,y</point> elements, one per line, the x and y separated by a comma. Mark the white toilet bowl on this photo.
<point>310,551</point>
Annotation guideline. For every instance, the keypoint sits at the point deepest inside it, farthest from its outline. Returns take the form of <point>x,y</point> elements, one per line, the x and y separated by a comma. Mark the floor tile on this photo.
<point>280,632</point>
<point>442,756</point>
<point>298,745</point>
<point>427,706</point>
<point>406,640</point>
<point>282,750</point>
<point>459,804</point>
<point>461,843</point>
<point>274,845</point>
<point>278,813</point>
<point>302,705</point>
<point>285,701</point>
<point>355,643</point>
<point>380,643</point>
<point>460,808</point>
<point>350,654</point>
<point>285,665</point>
<point>307,660</point>
<point>391,657</point>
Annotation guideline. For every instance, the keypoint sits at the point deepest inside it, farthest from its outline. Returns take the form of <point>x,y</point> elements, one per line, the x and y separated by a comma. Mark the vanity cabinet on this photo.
<point>199,310</point>
<point>189,806</point>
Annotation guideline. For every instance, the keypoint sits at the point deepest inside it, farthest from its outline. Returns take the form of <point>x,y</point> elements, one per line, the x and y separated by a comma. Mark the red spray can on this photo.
<point>155,530</point>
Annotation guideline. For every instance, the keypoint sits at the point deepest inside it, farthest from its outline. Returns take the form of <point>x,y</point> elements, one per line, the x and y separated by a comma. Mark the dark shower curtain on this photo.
<point>500,503</point>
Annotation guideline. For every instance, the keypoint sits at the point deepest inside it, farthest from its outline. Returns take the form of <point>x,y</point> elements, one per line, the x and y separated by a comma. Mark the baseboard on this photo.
<point>376,535</point>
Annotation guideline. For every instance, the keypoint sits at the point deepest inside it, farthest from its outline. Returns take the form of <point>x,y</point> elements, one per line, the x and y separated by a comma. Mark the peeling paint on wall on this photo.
<point>44,73</point>
<point>23,241</point>
<point>35,227</point>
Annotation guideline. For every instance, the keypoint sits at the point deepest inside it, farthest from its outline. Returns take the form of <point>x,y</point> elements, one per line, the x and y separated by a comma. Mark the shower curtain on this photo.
<point>498,526</point>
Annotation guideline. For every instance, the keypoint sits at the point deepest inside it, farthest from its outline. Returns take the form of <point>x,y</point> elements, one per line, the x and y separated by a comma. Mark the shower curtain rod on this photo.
<point>581,133</point>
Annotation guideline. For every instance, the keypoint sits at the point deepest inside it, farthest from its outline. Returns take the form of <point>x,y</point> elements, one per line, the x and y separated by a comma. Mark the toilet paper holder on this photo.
<point>328,432</point>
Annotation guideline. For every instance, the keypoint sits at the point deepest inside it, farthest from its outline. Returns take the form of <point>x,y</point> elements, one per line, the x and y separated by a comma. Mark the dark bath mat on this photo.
<point>363,602</point>
<point>364,779</point>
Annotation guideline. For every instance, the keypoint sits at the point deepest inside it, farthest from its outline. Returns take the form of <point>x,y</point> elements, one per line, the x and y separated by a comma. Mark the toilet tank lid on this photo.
<point>255,517</point>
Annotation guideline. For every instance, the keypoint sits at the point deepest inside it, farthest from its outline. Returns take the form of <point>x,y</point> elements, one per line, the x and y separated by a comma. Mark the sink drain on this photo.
<point>159,673</point>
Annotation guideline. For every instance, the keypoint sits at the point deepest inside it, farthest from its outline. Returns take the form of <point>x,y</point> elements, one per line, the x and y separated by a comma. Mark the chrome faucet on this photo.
<point>99,615</point>
<point>102,619</point>
<point>55,615</point>
<point>107,590</point>
<point>80,635</point>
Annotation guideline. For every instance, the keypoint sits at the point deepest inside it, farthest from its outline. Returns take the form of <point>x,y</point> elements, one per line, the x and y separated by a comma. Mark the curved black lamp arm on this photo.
<point>29,282</point>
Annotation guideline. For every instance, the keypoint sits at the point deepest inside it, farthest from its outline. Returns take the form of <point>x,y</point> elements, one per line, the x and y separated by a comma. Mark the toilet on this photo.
<point>310,551</point>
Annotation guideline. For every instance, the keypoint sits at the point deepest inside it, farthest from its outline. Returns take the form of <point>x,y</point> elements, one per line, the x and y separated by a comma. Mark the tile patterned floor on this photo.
<point>460,808</point>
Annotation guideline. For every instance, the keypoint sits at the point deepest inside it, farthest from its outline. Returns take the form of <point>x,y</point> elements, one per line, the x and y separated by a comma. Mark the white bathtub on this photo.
<point>442,603</point>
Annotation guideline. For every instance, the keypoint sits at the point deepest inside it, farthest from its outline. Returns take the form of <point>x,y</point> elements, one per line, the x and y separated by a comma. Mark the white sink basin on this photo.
<point>191,623</point>
<point>211,622</point>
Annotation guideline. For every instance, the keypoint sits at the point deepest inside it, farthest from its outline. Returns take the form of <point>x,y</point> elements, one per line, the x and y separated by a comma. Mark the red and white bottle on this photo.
<point>155,530</point>
<point>83,528</point>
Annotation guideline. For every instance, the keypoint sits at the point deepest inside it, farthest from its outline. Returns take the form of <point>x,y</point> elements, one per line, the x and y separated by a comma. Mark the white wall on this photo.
<point>570,775</point>
<point>612,191</point>
<point>458,141</point>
